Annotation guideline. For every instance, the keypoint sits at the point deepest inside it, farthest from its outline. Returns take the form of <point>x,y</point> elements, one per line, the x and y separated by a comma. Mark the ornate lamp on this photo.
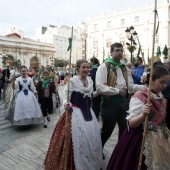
<point>131,36</point>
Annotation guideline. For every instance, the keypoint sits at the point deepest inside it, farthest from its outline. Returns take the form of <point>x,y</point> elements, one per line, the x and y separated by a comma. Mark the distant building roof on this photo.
<point>13,35</point>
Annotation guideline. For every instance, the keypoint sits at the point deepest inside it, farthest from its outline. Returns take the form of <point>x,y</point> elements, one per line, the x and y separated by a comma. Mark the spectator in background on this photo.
<point>166,64</point>
<point>61,75</point>
<point>146,73</point>
<point>129,65</point>
<point>73,72</point>
<point>41,70</point>
<point>30,72</point>
<point>137,70</point>
<point>5,77</point>
<point>36,78</point>
<point>96,97</point>
<point>157,63</point>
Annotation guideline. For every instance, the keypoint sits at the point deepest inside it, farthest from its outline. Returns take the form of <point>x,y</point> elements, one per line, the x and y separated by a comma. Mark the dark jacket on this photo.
<point>4,74</point>
<point>51,87</point>
<point>138,72</point>
<point>93,77</point>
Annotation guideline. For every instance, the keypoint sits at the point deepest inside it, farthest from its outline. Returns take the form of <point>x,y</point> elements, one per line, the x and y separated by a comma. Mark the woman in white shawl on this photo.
<point>82,141</point>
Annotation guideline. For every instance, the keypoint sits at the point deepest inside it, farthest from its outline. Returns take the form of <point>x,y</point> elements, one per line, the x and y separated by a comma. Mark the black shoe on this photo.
<point>45,126</point>
<point>103,156</point>
<point>48,118</point>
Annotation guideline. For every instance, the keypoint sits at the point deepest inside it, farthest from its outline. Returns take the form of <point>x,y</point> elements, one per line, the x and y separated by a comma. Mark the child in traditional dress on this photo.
<point>23,108</point>
<point>79,145</point>
<point>156,153</point>
<point>45,89</point>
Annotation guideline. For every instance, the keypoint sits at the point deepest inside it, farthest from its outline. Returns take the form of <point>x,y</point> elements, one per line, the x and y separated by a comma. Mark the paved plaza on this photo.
<point>24,148</point>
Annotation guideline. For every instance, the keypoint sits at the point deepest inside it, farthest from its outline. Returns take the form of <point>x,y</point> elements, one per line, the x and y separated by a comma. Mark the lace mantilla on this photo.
<point>149,159</point>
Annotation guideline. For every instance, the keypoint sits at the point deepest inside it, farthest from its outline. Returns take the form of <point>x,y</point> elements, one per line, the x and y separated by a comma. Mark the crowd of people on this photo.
<point>114,90</point>
<point>33,72</point>
<point>30,94</point>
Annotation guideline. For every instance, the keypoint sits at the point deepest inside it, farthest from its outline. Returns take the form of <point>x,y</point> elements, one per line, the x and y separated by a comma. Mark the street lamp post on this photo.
<point>52,59</point>
<point>131,36</point>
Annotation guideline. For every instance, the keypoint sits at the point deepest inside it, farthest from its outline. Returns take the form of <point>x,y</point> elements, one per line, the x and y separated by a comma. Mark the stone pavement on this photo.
<point>25,148</point>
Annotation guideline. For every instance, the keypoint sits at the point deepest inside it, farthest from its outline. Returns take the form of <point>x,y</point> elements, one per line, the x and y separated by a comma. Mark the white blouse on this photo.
<point>136,106</point>
<point>101,82</point>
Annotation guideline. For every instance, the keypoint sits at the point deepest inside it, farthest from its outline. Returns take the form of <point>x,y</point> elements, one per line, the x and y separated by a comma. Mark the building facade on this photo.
<point>58,36</point>
<point>82,28</point>
<point>107,28</point>
<point>31,53</point>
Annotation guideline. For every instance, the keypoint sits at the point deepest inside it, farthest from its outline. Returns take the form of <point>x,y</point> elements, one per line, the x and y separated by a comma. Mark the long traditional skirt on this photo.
<point>60,151</point>
<point>83,148</point>
<point>24,109</point>
<point>127,152</point>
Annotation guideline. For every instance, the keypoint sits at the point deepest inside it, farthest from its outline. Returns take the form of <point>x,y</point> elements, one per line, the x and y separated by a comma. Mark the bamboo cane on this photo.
<point>68,100</point>
<point>149,91</point>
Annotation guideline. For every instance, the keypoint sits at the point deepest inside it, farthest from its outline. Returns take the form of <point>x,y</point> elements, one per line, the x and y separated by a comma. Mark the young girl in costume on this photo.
<point>45,89</point>
<point>156,153</point>
<point>81,147</point>
<point>24,108</point>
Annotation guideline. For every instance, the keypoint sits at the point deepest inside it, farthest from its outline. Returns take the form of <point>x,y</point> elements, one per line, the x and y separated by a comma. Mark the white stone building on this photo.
<point>30,52</point>
<point>107,28</point>
<point>58,35</point>
<point>82,28</point>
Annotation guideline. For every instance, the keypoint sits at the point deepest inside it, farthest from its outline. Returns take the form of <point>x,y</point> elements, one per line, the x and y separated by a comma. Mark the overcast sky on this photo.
<point>29,14</point>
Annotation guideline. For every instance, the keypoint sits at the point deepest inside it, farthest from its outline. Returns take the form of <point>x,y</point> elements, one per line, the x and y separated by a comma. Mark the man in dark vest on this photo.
<point>114,82</point>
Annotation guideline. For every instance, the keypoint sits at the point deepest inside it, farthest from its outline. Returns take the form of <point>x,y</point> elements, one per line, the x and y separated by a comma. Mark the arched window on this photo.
<point>10,58</point>
<point>34,59</point>
<point>34,62</point>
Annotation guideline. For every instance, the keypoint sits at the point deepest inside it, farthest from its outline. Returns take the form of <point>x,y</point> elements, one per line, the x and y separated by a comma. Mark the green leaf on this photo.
<point>70,44</point>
